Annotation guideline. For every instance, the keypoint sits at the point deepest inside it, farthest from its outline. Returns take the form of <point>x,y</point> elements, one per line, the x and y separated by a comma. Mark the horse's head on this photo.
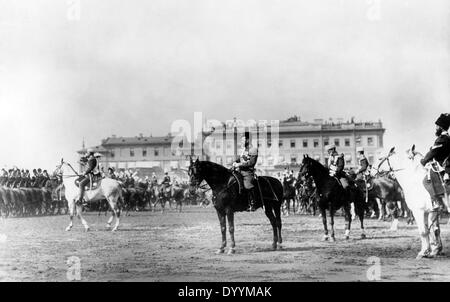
<point>305,167</point>
<point>412,153</point>
<point>195,175</point>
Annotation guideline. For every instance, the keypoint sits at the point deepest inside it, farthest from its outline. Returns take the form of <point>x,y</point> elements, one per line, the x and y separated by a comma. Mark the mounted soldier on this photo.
<point>363,164</point>
<point>111,173</point>
<point>3,177</point>
<point>439,158</point>
<point>336,165</point>
<point>245,164</point>
<point>91,171</point>
<point>154,180</point>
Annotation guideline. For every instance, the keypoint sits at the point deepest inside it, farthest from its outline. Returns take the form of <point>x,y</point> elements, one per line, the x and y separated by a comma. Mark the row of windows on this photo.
<point>305,143</point>
<point>293,159</point>
<point>132,153</point>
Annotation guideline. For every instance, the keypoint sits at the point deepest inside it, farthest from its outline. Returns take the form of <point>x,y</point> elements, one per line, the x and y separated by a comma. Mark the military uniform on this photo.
<point>439,156</point>
<point>92,169</point>
<point>361,173</point>
<point>246,165</point>
<point>336,165</point>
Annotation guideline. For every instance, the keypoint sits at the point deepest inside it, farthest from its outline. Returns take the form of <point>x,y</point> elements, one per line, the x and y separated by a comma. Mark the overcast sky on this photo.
<point>129,67</point>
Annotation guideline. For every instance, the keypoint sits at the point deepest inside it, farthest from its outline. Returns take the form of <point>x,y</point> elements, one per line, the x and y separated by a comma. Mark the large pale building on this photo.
<point>285,146</point>
<point>279,147</point>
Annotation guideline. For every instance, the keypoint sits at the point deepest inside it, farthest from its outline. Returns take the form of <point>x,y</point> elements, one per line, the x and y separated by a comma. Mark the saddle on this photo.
<point>94,182</point>
<point>433,183</point>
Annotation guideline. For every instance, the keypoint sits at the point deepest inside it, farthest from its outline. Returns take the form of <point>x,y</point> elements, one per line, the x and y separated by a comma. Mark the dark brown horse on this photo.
<point>227,200</point>
<point>332,196</point>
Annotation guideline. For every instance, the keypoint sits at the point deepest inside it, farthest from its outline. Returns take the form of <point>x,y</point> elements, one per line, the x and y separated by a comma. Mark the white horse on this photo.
<point>108,189</point>
<point>419,201</point>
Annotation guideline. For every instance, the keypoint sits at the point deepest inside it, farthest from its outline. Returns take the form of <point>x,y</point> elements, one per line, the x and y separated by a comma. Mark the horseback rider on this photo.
<point>439,155</point>
<point>92,169</point>
<point>111,173</point>
<point>336,165</point>
<point>166,180</point>
<point>361,173</point>
<point>154,180</point>
<point>245,164</point>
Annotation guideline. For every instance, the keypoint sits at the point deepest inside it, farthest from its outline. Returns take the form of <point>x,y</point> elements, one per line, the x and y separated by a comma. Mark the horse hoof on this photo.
<point>114,229</point>
<point>220,251</point>
<point>325,238</point>
<point>347,237</point>
<point>231,251</point>
<point>68,228</point>
<point>87,229</point>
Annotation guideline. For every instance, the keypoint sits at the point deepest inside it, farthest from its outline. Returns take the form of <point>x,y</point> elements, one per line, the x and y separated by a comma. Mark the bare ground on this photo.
<point>180,247</point>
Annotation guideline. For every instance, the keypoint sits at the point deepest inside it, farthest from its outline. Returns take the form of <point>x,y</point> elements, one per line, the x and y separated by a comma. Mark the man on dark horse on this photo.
<point>166,180</point>
<point>439,156</point>
<point>362,173</point>
<point>92,169</point>
<point>336,165</point>
<point>245,164</point>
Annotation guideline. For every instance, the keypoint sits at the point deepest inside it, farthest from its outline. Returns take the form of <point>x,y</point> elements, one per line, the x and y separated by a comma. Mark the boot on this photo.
<point>251,200</point>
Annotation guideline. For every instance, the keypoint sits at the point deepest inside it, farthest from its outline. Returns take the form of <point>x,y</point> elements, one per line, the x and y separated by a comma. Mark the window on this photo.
<point>218,145</point>
<point>326,142</point>
<point>228,145</point>
<point>180,144</point>
<point>336,142</point>
<point>219,160</point>
<point>131,152</point>
<point>370,141</point>
<point>292,143</point>
<point>144,152</point>
<point>305,143</point>
<point>112,154</point>
<point>316,143</point>
<point>293,159</point>
<point>370,158</point>
<point>347,142</point>
<point>280,143</point>
<point>348,159</point>
<point>229,160</point>
<point>269,143</point>
<point>156,152</point>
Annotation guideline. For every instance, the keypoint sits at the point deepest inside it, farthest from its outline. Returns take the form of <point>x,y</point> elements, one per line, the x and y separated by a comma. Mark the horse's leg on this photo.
<point>361,213</point>
<point>71,206</point>
<point>395,214</point>
<point>277,212</point>
<point>223,229</point>
<point>332,237</point>
<point>323,212</point>
<point>348,221</point>
<point>380,208</point>
<point>80,216</point>
<point>422,225</point>
<point>230,218</point>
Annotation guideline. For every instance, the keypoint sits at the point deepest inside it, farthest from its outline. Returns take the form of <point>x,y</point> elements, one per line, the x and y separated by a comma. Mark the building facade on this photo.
<point>279,147</point>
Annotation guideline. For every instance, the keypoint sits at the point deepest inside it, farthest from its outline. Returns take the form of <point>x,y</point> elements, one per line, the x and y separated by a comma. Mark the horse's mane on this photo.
<point>317,165</point>
<point>214,166</point>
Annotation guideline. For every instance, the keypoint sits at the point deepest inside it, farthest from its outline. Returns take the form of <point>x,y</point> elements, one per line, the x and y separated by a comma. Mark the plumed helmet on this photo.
<point>443,121</point>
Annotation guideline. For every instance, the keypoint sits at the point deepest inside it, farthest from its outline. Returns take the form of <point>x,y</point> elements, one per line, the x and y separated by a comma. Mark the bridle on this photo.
<point>76,174</point>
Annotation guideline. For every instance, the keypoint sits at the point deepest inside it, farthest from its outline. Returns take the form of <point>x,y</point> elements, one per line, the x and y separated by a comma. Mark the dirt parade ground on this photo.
<point>181,247</point>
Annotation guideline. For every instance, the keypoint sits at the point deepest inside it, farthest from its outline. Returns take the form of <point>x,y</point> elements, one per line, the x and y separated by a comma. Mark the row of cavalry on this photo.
<point>21,197</point>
